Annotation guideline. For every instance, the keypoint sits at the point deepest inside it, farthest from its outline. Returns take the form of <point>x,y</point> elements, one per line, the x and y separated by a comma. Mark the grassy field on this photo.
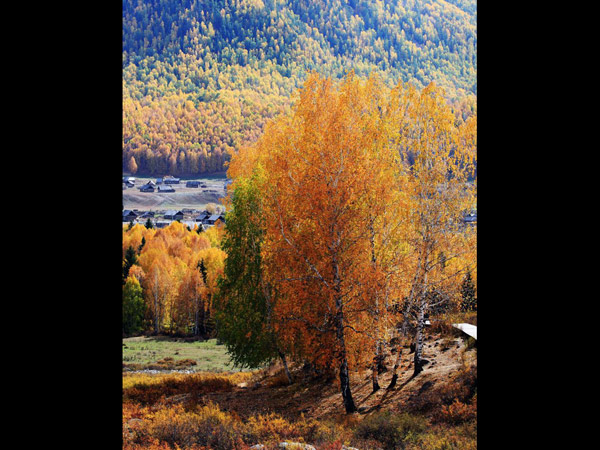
<point>150,353</point>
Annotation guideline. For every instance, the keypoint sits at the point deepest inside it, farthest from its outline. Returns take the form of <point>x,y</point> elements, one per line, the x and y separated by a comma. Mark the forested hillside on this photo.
<point>202,77</point>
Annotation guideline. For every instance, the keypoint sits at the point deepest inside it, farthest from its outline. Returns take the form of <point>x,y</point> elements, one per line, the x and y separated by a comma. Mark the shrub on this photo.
<point>270,427</point>
<point>148,389</point>
<point>470,344</point>
<point>278,380</point>
<point>461,387</point>
<point>461,437</point>
<point>444,328</point>
<point>457,412</point>
<point>173,427</point>
<point>209,427</point>
<point>186,362</point>
<point>391,429</point>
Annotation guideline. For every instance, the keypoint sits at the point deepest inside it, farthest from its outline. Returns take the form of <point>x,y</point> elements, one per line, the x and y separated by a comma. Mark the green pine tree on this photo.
<point>130,260</point>
<point>469,300</point>
<point>142,245</point>
<point>202,268</point>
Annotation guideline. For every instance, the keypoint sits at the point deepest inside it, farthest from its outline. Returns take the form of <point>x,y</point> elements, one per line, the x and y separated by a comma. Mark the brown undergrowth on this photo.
<point>435,410</point>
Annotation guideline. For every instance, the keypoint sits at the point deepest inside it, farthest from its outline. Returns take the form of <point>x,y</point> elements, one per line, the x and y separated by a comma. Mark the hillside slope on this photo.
<point>201,78</point>
<point>265,409</point>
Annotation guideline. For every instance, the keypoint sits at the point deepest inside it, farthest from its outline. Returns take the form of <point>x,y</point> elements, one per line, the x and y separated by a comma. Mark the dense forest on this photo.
<point>169,278</point>
<point>202,78</point>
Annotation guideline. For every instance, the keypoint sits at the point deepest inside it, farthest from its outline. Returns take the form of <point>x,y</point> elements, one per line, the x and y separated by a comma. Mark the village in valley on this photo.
<point>157,202</point>
<point>191,202</point>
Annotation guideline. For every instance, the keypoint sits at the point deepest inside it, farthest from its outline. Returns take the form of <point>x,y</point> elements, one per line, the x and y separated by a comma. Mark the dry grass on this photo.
<point>150,388</point>
<point>435,410</point>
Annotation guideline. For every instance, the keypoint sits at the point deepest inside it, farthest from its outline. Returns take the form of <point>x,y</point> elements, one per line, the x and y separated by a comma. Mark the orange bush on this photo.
<point>457,412</point>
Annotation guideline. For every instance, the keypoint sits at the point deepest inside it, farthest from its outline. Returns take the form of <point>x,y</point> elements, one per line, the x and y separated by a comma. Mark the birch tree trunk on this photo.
<point>197,317</point>
<point>156,305</point>
<point>206,315</point>
<point>401,342</point>
<point>285,366</point>
<point>339,322</point>
<point>418,363</point>
<point>344,375</point>
<point>375,369</point>
<point>377,357</point>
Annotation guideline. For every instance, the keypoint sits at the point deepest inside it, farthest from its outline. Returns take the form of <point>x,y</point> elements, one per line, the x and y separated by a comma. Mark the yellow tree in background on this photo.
<point>176,293</point>
<point>132,166</point>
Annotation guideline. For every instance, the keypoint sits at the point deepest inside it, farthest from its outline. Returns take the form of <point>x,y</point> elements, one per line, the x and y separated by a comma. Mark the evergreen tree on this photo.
<point>142,244</point>
<point>130,260</point>
<point>469,300</point>
<point>202,269</point>
<point>149,224</point>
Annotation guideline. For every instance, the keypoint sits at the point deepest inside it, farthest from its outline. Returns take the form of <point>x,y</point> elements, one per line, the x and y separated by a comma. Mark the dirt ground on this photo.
<point>325,401</point>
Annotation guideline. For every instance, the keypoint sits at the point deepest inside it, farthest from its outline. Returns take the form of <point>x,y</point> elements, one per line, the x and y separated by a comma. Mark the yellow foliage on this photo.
<point>166,267</point>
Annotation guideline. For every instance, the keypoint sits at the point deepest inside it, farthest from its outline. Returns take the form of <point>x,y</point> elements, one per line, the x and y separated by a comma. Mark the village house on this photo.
<point>129,216</point>
<point>170,180</point>
<point>470,218</point>
<point>213,219</point>
<point>148,187</point>
<point>162,188</point>
<point>174,215</point>
<point>202,217</point>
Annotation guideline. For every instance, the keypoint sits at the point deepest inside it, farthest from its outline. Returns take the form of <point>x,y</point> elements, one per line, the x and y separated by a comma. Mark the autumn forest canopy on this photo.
<point>202,78</point>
